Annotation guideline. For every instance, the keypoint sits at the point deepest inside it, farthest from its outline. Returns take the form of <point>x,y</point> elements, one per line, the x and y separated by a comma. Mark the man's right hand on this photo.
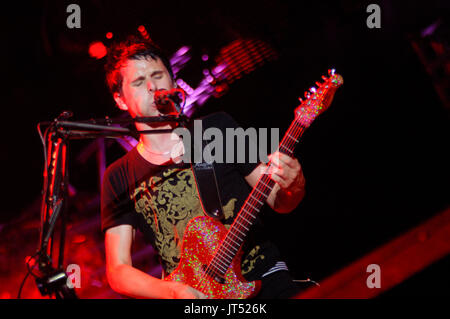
<point>183,291</point>
<point>132,282</point>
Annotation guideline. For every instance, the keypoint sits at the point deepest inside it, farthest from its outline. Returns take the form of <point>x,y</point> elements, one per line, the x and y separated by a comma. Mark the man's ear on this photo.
<point>120,102</point>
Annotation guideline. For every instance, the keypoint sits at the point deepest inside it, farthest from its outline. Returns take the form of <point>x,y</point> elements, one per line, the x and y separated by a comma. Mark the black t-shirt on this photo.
<point>159,200</point>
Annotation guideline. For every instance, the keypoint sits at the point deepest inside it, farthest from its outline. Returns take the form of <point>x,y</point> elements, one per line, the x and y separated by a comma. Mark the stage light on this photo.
<point>97,50</point>
<point>242,57</point>
<point>144,32</point>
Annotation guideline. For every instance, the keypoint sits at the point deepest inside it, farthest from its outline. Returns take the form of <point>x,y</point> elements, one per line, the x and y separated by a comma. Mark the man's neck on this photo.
<point>160,147</point>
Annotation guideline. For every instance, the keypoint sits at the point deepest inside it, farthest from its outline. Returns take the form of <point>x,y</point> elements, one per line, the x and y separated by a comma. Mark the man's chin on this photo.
<point>152,112</point>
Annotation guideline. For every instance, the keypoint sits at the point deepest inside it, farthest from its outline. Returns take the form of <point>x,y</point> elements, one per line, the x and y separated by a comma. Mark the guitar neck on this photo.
<point>253,204</point>
<point>317,101</point>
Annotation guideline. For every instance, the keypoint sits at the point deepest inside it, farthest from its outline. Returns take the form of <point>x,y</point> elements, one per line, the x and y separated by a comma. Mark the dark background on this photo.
<point>376,163</point>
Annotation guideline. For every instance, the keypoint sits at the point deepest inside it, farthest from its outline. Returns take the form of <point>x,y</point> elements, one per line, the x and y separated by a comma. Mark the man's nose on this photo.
<point>151,86</point>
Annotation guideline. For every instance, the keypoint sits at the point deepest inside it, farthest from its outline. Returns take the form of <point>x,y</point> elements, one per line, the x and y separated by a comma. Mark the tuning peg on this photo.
<point>307,95</point>
<point>300,99</point>
<point>331,72</point>
<point>324,78</point>
<point>312,89</point>
<point>318,84</point>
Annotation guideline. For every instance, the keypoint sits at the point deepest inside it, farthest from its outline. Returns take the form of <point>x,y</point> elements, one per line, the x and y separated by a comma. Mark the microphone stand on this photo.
<point>104,127</point>
<point>53,280</point>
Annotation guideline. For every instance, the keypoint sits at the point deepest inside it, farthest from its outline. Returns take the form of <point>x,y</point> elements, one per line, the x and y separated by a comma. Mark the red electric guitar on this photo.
<point>211,255</point>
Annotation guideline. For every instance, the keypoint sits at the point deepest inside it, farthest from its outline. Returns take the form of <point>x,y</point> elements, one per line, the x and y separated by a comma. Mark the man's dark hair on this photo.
<point>132,48</point>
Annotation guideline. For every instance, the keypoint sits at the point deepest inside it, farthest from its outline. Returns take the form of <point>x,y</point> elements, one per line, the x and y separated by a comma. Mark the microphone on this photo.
<point>164,99</point>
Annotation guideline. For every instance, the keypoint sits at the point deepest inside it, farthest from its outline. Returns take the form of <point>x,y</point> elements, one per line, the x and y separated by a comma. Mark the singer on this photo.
<point>150,191</point>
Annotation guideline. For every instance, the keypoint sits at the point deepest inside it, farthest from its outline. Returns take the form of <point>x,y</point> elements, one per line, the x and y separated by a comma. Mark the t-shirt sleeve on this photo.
<point>116,206</point>
<point>244,164</point>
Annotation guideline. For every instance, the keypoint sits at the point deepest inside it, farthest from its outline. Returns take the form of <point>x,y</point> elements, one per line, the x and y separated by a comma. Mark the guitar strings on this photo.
<point>265,178</point>
<point>297,129</point>
<point>253,199</point>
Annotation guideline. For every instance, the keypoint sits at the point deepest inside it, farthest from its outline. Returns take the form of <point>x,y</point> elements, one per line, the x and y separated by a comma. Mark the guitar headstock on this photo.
<point>318,99</point>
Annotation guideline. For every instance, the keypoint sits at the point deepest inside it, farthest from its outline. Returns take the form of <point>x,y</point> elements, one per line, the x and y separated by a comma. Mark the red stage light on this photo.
<point>97,50</point>
<point>109,35</point>
<point>244,56</point>
<point>144,32</point>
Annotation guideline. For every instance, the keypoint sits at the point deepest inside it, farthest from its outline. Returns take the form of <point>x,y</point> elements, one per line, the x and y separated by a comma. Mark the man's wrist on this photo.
<point>287,199</point>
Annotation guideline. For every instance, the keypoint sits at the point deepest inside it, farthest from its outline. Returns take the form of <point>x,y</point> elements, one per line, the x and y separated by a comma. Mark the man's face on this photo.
<point>141,78</point>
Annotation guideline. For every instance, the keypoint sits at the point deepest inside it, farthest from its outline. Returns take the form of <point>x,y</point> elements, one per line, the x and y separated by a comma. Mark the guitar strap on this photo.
<point>205,178</point>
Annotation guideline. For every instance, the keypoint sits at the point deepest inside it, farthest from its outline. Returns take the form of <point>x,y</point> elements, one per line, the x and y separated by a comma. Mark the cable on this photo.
<point>42,137</point>
<point>29,271</point>
<point>45,182</point>
<point>22,284</point>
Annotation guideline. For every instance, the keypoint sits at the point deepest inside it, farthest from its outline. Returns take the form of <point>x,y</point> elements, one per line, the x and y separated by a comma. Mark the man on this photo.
<point>150,191</point>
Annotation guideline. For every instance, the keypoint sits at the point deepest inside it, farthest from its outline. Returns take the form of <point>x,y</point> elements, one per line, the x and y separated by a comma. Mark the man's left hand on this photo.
<point>287,172</point>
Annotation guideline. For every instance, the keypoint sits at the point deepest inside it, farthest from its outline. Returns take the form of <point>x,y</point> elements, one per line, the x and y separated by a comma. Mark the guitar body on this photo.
<point>201,238</point>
